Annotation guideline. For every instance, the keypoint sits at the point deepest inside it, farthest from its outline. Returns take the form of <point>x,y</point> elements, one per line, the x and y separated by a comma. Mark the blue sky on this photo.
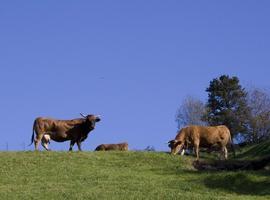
<point>132,62</point>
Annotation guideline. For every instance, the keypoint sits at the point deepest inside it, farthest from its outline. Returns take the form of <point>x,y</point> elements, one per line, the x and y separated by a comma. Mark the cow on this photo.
<point>112,147</point>
<point>202,136</point>
<point>75,130</point>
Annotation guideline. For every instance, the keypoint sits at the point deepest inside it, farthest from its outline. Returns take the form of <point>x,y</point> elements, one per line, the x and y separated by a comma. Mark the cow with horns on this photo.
<point>75,130</point>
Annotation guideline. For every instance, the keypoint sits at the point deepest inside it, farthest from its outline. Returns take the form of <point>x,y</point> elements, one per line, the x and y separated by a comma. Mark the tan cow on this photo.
<point>202,136</point>
<point>112,147</point>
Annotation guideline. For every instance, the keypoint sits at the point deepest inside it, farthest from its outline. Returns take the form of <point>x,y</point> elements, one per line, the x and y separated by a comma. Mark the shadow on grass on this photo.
<point>239,183</point>
<point>258,150</point>
<point>254,183</point>
<point>233,165</point>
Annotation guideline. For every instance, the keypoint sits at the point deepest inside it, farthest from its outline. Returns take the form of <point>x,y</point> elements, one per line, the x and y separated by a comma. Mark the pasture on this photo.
<point>124,175</point>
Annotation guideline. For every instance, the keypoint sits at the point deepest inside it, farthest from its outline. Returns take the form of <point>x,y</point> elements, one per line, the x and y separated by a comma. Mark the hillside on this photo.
<point>121,175</point>
<point>254,151</point>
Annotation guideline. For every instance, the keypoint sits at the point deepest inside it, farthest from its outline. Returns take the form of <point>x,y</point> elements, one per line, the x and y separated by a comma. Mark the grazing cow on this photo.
<point>75,130</point>
<point>112,147</point>
<point>202,136</point>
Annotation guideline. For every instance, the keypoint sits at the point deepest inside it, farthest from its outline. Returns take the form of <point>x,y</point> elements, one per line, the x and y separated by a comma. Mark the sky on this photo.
<point>132,62</point>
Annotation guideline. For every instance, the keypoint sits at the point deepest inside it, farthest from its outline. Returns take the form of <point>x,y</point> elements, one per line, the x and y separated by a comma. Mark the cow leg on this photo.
<point>71,145</point>
<point>182,152</point>
<point>79,145</point>
<point>36,144</point>
<point>196,148</point>
<point>224,153</point>
<point>44,145</point>
<point>37,141</point>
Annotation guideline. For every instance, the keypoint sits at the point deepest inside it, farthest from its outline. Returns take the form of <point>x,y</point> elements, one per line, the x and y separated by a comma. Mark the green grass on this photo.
<point>121,175</point>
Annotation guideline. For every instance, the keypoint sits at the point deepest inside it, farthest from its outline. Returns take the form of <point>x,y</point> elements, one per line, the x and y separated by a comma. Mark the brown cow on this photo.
<point>75,130</point>
<point>201,136</point>
<point>112,147</point>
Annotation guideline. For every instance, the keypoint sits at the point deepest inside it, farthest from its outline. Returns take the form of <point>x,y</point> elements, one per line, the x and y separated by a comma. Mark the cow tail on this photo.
<point>33,134</point>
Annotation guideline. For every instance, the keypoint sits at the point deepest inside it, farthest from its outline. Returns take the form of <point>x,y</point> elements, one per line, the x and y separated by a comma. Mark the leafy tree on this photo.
<point>190,112</point>
<point>259,123</point>
<point>150,148</point>
<point>227,104</point>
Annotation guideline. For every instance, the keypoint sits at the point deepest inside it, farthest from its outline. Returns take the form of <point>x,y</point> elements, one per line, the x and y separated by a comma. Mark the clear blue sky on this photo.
<point>132,62</point>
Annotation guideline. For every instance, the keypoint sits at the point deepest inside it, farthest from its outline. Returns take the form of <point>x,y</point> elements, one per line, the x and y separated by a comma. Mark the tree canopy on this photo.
<point>227,104</point>
<point>190,112</point>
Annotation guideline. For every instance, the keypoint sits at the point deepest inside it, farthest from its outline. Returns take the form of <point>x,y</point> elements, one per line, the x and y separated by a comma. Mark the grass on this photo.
<point>121,175</point>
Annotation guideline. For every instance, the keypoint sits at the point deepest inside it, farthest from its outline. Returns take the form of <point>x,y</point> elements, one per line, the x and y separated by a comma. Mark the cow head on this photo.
<point>91,120</point>
<point>175,146</point>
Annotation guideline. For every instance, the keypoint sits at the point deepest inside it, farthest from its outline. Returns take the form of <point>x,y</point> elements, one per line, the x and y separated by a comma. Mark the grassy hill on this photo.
<point>255,151</point>
<point>121,175</point>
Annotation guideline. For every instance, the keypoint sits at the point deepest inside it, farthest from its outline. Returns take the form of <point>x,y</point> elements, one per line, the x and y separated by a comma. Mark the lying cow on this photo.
<point>201,136</point>
<point>112,147</point>
<point>75,130</point>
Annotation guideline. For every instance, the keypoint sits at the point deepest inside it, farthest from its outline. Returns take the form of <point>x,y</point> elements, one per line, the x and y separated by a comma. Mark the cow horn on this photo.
<point>84,116</point>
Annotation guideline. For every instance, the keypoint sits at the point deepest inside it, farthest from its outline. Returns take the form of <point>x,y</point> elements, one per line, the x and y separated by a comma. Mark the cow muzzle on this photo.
<point>98,119</point>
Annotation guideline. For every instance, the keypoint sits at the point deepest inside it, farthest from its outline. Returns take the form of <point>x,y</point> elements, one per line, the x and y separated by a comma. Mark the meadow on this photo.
<point>125,175</point>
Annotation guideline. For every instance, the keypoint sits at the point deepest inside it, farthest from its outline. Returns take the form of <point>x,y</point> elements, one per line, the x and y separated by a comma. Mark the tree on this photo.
<point>259,122</point>
<point>150,148</point>
<point>227,104</point>
<point>190,112</point>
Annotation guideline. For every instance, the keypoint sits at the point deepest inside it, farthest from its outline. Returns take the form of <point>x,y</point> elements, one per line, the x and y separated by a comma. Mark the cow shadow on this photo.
<point>239,183</point>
